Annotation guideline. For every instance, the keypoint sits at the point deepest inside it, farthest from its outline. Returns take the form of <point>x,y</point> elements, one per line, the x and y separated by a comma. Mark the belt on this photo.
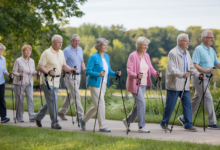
<point>73,73</point>
<point>207,76</point>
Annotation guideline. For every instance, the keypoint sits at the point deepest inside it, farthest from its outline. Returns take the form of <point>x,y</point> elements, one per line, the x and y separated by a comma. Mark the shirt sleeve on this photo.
<point>216,61</point>
<point>196,56</point>
<point>43,59</point>
<point>5,70</point>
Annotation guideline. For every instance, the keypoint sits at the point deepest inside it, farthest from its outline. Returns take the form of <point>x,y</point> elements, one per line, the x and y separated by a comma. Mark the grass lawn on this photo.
<point>13,137</point>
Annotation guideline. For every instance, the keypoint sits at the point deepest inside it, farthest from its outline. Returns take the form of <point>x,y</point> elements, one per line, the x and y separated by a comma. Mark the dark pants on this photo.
<point>171,103</point>
<point>2,100</point>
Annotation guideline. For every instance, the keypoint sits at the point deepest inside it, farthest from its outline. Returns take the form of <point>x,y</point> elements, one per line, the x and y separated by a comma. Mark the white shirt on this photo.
<point>105,67</point>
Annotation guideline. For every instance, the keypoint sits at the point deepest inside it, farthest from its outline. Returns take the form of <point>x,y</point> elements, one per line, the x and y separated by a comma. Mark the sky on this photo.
<point>134,14</point>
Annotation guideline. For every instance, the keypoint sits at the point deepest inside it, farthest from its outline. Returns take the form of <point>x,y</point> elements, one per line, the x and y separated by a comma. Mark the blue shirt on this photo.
<point>204,57</point>
<point>95,66</point>
<point>184,59</point>
<point>3,69</point>
<point>73,57</point>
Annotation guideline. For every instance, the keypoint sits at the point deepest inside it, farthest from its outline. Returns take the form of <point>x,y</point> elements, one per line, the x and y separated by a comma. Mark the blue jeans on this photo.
<point>171,103</point>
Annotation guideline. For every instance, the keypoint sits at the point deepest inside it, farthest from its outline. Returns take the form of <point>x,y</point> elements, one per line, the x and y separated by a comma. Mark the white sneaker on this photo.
<point>143,130</point>
<point>125,123</point>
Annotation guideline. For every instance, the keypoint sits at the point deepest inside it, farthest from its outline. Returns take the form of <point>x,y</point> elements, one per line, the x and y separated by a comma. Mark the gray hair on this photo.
<point>140,40</point>
<point>205,33</point>
<point>56,36</point>
<point>100,42</point>
<point>3,46</point>
<point>73,36</point>
<point>181,37</point>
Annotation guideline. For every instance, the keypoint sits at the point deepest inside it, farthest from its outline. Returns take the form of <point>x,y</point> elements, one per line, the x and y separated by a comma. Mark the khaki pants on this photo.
<point>72,91</point>
<point>101,112</point>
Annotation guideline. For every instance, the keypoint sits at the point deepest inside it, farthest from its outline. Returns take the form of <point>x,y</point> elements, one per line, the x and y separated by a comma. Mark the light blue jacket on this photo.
<point>95,66</point>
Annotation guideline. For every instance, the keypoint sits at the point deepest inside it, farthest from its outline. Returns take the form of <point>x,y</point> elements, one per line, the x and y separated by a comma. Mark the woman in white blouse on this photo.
<point>24,69</point>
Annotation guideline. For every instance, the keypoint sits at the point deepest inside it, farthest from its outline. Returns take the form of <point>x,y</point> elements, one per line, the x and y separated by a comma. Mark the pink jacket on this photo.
<point>133,68</point>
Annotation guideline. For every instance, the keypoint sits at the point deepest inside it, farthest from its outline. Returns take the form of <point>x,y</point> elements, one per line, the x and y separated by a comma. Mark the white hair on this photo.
<point>140,40</point>
<point>181,37</point>
<point>100,42</point>
<point>3,46</point>
<point>56,36</point>
<point>205,33</point>
<point>73,36</point>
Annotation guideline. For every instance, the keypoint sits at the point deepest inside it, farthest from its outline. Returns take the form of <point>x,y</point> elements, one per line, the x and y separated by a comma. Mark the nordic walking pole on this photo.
<point>138,83</point>
<point>12,91</point>
<point>203,107</point>
<point>98,102</point>
<point>38,77</point>
<point>118,77</point>
<point>86,91</point>
<point>21,79</point>
<point>179,103</point>
<point>159,78</point>
<point>75,97</point>
<point>203,96</point>
<point>67,92</point>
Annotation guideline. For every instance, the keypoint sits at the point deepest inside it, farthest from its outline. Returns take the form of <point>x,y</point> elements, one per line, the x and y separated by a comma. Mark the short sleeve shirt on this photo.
<point>204,57</point>
<point>73,57</point>
<point>51,59</point>
<point>3,69</point>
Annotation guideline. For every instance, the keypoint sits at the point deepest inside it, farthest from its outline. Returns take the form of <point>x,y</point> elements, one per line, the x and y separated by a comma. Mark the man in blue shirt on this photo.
<point>204,59</point>
<point>3,71</point>
<point>74,57</point>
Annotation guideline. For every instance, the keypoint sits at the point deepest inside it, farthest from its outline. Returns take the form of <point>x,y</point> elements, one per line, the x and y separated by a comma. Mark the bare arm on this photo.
<point>203,70</point>
<point>217,66</point>
<point>42,69</point>
<point>7,74</point>
<point>83,67</point>
<point>66,68</point>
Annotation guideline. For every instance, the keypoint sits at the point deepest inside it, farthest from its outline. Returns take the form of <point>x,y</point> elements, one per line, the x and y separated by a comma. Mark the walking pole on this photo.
<point>38,77</point>
<point>68,96</point>
<point>179,103</point>
<point>138,83</point>
<point>203,96</point>
<point>54,69</point>
<point>203,107</point>
<point>159,78</point>
<point>75,97</point>
<point>98,102</point>
<point>118,77</point>
<point>12,91</point>
<point>21,79</point>
<point>86,91</point>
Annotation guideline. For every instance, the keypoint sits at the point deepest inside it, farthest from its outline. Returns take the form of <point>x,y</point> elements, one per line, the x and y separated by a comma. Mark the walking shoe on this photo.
<point>165,127</point>
<point>105,130</point>
<point>192,129</point>
<point>180,120</point>
<point>214,127</point>
<point>57,126</point>
<point>126,125</point>
<point>38,123</point>
<point>5,119</point>
<point>62,116</point>
<point>83,124</point>
<point>143,130</point>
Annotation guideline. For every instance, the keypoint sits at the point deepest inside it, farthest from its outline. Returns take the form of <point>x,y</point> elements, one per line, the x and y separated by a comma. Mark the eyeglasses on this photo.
<point>185,41</point>
<point>212,38</point>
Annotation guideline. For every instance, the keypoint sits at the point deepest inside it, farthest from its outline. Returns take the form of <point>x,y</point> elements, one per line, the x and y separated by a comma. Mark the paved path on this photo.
<point>118,129</point>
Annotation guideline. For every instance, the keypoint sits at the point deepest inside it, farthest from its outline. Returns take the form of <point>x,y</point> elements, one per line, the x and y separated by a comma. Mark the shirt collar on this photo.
<point>25,60</point>
<point>203,45</point>
<point>51,48</point>
<point>73,48</point>
<point>184,53</point>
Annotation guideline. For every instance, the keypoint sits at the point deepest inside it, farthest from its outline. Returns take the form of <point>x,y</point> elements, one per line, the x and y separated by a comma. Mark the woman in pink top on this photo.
<point>139,62</point>
<point>24,67</point>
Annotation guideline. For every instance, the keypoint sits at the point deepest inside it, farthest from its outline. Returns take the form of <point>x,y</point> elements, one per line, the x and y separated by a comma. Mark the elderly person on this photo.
<point>74,57</point>
<point>98,62</point>
<point>24,67</point>
<point>3,71</point>
<point>52,58</point>
<point>139,67</point>
<point>204,59</point>
<point>179,67</point>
